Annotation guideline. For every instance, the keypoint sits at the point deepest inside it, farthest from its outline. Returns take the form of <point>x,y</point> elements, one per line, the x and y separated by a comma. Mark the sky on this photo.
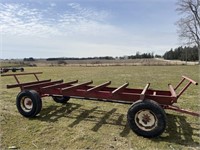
<point>86,28</point>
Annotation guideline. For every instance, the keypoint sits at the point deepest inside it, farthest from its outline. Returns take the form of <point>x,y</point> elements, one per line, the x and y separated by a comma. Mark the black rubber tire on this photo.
<point>14,70</point>
<point>22,69</point>
<point>149,110</point>
<point>61,99</point>
<point>36,102</point>
<point>39,101</point>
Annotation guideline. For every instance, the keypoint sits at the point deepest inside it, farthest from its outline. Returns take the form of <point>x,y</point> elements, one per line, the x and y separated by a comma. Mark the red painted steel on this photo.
<point>39,85</point>
<point>99,87</point>
<point>175,108</point>
<point>61,85</point>
<point>172,90</point>
<point>21,85</point>
<point>143,94</point>
<point>120,89</point>
<point>20,74</point>
<point>102,92</point>
<point>75,87</point>
<point>190,80</point>
<point>177,86</point>
<point>27,83</point>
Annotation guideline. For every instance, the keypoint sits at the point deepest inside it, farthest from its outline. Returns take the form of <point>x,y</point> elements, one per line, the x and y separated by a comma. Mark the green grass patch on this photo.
<point>97,125</point>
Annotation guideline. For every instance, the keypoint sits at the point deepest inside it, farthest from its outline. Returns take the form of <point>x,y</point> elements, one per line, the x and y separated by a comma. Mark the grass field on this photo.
<point>93,63</point>
<point>97,125</point>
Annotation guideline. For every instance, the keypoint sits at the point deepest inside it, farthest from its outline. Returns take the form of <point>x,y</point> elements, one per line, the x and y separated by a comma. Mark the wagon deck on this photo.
<point>146,101</point>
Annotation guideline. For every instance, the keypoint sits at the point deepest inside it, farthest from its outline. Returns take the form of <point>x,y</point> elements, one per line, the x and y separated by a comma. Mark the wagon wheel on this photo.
<point>14,69</point>
<point>22,69</point>
<point>28,103</point>
<point>61,99</point>
<point>147,118</point>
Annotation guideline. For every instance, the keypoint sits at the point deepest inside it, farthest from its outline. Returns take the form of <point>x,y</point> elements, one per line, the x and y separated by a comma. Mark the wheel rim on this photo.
<point>59,98</point>
<point>26,104</point>
<point>146,120</point>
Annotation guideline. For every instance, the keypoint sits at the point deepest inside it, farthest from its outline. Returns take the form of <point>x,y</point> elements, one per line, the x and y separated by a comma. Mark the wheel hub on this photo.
<point>26,104</point>
<point>146,120</point>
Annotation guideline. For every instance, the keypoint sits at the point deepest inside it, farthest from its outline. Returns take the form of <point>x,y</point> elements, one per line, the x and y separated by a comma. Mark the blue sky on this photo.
<point>86,28</point>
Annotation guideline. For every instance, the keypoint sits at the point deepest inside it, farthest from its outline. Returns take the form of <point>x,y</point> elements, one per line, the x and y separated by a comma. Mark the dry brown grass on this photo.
<point>95,63</point>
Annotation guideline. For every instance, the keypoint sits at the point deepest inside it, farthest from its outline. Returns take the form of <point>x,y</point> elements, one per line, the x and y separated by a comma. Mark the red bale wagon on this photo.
<point>146,116</point>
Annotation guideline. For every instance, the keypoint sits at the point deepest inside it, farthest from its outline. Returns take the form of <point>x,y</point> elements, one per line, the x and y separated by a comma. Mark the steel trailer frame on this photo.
<point>142,99</point>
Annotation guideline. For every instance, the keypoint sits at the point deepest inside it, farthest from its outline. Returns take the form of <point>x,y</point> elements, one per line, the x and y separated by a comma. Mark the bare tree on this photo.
<point>189,24</point>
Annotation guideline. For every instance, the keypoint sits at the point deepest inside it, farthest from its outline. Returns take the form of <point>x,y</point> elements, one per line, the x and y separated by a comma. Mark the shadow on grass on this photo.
<point>53,113</point>
<point>179,131</point>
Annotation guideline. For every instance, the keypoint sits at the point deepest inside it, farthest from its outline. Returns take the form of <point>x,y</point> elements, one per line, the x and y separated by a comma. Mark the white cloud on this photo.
<point>76,31</point>
<point>69,33</point>
<point>17,19</point>
<point>21,19</point>
<point>52,4</point>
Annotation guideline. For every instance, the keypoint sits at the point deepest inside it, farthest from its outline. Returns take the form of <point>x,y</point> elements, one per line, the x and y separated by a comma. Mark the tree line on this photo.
<point>182,53</point>
<point>76,58</point>
<point>136,56</point>
<point>144,55</point>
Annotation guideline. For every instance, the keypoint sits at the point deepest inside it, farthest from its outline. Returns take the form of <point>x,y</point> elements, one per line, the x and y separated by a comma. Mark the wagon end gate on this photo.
<point>21,85</point>
<point>181,91</point>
